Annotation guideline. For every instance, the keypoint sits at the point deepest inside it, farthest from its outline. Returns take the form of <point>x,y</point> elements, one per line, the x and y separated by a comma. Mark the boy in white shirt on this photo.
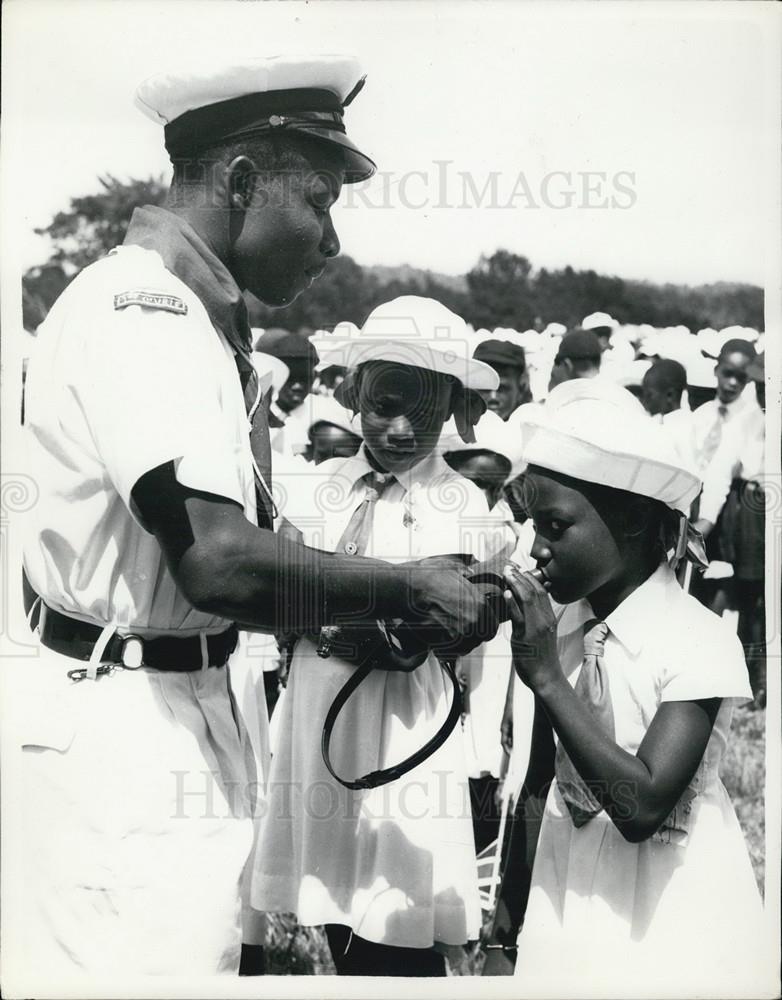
<point>730,403</point>
<point>733,494</point>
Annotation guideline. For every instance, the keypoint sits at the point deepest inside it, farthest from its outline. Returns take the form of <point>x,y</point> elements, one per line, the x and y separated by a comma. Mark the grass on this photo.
<point>303,951</point>
<point>744,775</point>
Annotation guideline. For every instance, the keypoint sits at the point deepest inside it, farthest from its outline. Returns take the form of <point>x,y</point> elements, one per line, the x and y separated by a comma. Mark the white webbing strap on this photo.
<point>96,656</point>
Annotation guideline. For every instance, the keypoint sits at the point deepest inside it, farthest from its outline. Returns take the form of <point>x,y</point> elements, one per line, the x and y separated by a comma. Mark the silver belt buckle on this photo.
<point>132,653</point>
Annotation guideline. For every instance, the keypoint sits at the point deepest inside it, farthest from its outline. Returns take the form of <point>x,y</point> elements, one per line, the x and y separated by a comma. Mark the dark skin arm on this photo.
<point>227,566</point>
<point>638,791</point>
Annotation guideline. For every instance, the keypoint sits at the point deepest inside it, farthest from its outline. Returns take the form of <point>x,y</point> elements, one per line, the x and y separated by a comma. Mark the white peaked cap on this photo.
<point>411,330</point>
<point>598,432</point>
<point>272,372</point>
<point>598,319</point>
<point>166,96</point>
<point>213,100</point>
<point>326,410</point>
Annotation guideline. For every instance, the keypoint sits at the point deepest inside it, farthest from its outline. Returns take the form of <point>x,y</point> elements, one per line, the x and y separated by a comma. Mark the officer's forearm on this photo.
<point>227,566</point>
<point>272,583</point>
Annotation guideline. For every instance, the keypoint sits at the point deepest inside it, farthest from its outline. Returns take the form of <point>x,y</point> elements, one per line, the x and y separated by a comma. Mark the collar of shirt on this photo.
<point>187,256</point>
<point>643,611</point>
<point>638,616</point>
<point>423,472</point>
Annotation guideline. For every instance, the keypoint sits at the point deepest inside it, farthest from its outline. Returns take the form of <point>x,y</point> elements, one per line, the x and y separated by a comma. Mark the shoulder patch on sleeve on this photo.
<point>150,300</point>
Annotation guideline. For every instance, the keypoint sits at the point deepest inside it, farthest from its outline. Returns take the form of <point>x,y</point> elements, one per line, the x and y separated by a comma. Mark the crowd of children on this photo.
<point>610,688</point>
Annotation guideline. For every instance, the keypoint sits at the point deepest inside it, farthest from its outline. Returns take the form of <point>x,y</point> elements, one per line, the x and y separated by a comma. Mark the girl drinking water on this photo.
<point>642,885</point>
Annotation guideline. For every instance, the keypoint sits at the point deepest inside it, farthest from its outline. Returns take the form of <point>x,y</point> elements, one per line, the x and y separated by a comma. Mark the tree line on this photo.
<point>502,289</point>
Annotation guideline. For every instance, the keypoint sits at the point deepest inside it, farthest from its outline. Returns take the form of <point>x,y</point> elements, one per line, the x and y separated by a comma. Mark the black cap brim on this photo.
<point>358,166</point>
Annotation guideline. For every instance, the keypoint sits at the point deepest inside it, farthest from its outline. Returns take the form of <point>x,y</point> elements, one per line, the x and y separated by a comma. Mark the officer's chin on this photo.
<point>276,298</point>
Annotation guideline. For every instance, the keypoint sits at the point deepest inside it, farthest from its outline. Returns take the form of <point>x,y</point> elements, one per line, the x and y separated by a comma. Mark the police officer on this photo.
<point>150,539</point>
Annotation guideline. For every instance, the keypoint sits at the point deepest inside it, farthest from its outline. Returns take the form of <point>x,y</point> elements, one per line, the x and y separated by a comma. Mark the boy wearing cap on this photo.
<point>578,356</point>
<point>390,870</point>
<point>150,537</point>
<point>510,363</point>
<point>641,879</point>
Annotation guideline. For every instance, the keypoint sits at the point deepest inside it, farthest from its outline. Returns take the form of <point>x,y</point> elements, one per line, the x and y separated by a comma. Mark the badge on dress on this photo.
<point>150,300</point>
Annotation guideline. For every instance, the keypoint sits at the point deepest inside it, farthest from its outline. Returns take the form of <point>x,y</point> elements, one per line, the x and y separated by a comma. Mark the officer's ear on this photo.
<point>467,408</point>
<point>241,174</point>
<point>346,393</point>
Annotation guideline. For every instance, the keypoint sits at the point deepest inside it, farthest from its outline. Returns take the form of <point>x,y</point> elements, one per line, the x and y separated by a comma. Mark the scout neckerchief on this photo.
<point>187,256</point>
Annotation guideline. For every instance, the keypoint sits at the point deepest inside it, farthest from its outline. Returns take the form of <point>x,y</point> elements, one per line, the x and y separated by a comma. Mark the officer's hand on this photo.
<point>455,615</point>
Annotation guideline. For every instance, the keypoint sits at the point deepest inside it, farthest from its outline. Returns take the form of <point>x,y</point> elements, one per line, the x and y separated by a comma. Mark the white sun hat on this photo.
<point>593,430</point>
<point>411,330</point>
<point>596,320</point>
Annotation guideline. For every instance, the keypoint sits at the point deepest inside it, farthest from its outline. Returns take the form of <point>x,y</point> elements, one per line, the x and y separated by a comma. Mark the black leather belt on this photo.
<point>77,639</point>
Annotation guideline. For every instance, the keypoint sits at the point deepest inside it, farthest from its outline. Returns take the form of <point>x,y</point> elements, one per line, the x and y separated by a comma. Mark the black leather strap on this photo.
<point>388,774</point>
<point>489,576</point>
<point>77,639</point>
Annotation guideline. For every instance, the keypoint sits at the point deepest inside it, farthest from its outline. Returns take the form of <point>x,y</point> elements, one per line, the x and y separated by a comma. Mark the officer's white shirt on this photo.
<point>111,394</point>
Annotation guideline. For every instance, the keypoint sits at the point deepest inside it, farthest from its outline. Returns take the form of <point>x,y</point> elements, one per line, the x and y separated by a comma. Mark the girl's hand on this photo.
<point>534,639</point>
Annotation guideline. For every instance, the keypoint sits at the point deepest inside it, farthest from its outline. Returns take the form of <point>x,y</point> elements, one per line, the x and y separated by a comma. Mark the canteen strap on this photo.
<point>388,774</point>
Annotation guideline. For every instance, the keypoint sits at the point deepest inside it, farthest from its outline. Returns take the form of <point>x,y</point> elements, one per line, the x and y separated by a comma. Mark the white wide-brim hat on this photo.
<point>593,430</point>
<point>411,330</point>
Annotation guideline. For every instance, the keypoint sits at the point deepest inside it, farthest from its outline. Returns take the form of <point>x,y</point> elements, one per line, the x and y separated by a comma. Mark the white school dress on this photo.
<point>396,864</point>
<point>678,914</point>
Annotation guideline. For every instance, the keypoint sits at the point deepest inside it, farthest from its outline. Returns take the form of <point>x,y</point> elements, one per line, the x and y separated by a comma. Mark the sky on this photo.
<point>636,139</point>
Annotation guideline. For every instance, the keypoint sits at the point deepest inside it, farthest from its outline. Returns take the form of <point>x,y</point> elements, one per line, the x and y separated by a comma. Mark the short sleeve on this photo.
<point>707,661</point>
<point>154,388</point>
